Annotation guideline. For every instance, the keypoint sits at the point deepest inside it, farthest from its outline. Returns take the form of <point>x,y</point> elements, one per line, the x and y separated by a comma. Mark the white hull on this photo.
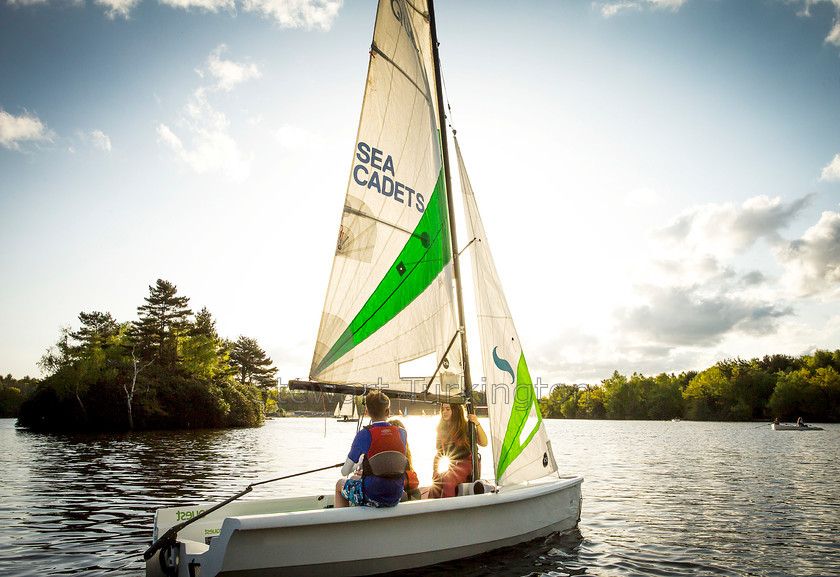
<point>299,536</point>
<point>784,427</point>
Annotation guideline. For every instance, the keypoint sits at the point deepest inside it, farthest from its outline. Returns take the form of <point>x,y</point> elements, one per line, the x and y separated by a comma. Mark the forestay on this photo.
<point>521,448</point>
<point>390,298</point>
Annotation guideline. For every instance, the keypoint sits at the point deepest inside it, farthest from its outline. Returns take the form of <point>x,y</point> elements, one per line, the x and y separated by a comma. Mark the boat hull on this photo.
<point>367,541</point>
<point>784,427</point>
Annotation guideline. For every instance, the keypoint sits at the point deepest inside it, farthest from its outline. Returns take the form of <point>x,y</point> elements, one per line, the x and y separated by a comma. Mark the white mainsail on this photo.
<point>390,298</point>
<point>346,409</point>
<point>521,448</point>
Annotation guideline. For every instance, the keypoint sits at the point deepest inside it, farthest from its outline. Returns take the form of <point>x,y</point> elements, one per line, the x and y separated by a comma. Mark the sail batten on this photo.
<point>376,50</point>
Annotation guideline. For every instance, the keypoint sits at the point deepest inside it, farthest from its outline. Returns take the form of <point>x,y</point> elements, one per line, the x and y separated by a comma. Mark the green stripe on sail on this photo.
<point>524,400</point>
<point>421,260</point>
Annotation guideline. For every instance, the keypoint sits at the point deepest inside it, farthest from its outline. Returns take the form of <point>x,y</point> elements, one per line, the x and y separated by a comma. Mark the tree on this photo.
<point>591,404</point>
<point>163,319</point>
<point>251,363</point>
<point>96,328</point>
<point>789,399</point>
<point>665,398</point>
<point>826,386</point>
<point>13,393</point>
<point>129,389</point>
<point>779,363</point>
<point>63,371</point>
<point>569,407</point>
<point>623,398</point>
<point>204,354</point>
<point>708,392</point>
<point>752,386</point>
<point>551,407</point>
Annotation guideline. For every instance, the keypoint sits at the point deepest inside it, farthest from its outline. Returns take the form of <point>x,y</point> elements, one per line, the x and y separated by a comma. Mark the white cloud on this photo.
<point>15,130</point>
<point>213,148</point>
<point>114,8</point>
<point>813,262</point>
<point>688,316</point>
<point>95,138</point>
<point>169,138</point>
<point>228,73</point>
<point>725,229</point>
<point>667,4</point>
<point>694,290</point>
<point>307,14</point>
<point>101,140</point>
<point>834,36</point>
<point>831,172</point>
<point>612,8</point>
<point>208,5</point>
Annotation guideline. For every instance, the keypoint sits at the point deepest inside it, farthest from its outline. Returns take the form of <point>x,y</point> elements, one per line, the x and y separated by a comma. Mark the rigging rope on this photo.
<point>449,117</point>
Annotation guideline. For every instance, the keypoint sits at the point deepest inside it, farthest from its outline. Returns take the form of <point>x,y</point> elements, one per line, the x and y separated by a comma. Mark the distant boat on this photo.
<point>794,427</point>
<point>675,420</point>
<point>346,410</point>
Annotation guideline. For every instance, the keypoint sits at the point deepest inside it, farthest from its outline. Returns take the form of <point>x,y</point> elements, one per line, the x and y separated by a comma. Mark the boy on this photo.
<point>377,457</point>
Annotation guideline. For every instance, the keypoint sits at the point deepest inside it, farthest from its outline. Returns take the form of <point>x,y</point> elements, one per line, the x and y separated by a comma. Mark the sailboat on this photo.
<point>346,410</point>
<point>395,302</point>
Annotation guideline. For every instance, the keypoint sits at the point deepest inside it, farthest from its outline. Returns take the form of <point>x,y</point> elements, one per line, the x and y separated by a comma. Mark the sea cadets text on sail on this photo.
<point>371,171</point>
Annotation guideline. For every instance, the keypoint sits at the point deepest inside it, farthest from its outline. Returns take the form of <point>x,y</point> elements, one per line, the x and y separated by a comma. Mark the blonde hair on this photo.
<point>400,424</point>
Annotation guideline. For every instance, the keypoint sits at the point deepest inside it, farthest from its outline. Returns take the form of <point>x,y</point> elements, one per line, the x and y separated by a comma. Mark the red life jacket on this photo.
<point>386,456</point>
<point>411,480</point>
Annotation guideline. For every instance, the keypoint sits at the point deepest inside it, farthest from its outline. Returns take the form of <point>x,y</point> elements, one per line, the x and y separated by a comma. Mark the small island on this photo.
<point>169,369</point>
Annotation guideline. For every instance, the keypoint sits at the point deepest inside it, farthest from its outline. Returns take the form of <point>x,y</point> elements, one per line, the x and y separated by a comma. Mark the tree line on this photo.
<point>777,386</point>
<point>13,392</point>
<point>171,369</point>
<point>168,369</point>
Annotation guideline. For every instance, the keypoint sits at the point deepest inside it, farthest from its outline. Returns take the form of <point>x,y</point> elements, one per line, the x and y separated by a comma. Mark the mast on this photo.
<point>456,265</point>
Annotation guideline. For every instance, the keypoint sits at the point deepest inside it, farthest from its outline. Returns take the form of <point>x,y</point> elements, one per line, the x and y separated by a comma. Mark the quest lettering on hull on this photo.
<point>372,172</point>
<point>187,515</point>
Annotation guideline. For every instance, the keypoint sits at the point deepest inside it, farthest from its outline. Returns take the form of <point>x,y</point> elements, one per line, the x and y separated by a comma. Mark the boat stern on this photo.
<point>166,562</point>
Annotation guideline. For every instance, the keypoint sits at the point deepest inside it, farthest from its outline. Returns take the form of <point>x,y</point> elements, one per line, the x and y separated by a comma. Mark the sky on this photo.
<point>659,180</point>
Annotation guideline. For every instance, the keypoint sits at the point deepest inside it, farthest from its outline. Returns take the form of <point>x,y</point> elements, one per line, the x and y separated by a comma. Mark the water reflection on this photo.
<point>719,498</point>
<point>551,556</point>
<point>659,498</point>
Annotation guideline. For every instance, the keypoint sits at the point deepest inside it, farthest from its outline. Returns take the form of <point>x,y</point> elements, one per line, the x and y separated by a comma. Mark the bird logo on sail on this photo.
<point>503,365</point>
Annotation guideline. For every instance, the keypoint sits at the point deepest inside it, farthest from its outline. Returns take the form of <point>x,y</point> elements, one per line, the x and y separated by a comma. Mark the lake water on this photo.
<point>660,498</point>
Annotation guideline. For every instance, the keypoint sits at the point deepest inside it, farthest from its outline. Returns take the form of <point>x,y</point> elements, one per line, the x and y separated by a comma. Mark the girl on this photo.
<point>453,448</point>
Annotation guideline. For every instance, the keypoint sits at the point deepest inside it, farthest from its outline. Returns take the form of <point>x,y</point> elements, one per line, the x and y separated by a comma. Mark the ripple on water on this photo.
<point>659,498</point>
